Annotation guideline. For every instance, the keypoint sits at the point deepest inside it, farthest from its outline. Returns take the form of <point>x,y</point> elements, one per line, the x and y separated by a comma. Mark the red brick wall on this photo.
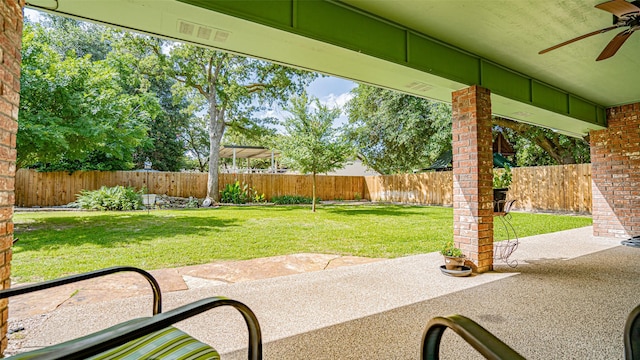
<point>10,44</point>
<point>615,167</point>
<point>473,175</point>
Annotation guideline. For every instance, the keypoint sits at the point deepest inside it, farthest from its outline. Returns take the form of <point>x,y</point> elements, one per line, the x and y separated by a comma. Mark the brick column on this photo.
<point>10,45</point>
<point>615,173</point>
<point>473,176</point>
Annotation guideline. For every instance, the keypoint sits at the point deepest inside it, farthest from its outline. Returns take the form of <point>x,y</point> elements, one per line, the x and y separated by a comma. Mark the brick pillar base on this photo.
<point>615,173</point>
<point>473,176</point>
<point>10,45</point>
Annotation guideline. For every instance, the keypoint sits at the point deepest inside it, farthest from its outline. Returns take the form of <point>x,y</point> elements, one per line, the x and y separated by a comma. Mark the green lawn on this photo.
<point>54,244</point>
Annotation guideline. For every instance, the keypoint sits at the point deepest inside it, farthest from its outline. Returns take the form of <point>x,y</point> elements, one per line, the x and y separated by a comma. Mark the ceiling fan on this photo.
<point>625,14</point>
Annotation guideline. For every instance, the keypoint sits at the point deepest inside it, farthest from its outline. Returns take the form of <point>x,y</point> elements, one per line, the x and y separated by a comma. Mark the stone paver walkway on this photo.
<point>125,285</point>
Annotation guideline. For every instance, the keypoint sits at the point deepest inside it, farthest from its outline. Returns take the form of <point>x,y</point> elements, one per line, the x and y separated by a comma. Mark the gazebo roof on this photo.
<point>247,152</point>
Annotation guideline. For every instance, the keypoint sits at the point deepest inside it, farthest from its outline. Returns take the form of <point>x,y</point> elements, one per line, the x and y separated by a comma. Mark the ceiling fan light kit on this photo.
<point>625,15</point>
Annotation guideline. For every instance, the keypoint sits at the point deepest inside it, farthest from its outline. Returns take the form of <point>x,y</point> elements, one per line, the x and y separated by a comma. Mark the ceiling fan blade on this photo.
<point>618,7</point>
<point>578,38</point>
<point>614,45</point>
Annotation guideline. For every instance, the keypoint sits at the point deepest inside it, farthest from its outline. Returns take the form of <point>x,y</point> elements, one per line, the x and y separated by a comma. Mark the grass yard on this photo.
<point>54,244</point>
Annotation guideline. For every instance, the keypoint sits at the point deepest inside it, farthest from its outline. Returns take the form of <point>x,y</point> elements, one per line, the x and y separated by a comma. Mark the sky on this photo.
<point>331,91</point>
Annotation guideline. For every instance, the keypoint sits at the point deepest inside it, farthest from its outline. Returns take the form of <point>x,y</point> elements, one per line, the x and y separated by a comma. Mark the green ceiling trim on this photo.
<point>582,109</point>
<point>344,27</point>
<point>505,82</point>
<point>550,98</point>
<point>338,24</point>
<point>442,60</point>
<point>275,13</point>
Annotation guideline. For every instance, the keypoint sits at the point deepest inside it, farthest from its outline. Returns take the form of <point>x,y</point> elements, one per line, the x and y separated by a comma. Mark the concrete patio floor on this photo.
<point>568,298</point>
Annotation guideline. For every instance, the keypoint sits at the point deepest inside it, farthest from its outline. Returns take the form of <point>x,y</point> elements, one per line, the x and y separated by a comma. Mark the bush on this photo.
<point>110,198</point>
<point>234,193</point>
<point>237,193</point>
<point>502,178</point>
<point>292,199</point>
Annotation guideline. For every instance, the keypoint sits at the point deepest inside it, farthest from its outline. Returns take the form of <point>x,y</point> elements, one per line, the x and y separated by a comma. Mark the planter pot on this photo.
<point>499,199</point>
<point>453,263</point>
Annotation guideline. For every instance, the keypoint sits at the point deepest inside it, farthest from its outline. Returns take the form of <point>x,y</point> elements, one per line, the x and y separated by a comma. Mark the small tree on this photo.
<point>311,144</point>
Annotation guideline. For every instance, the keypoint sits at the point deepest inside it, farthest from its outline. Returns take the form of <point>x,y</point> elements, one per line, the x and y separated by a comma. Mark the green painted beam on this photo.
<point>341,25</point>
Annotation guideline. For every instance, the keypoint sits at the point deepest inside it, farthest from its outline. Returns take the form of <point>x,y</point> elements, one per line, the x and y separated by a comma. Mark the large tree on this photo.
<point>395,132</point>
<point>312,145</point>
<point>166,147</point>
<point>74,113</point>
<point>539,146</point>
<point>66,35</point>
<point>231,90</point>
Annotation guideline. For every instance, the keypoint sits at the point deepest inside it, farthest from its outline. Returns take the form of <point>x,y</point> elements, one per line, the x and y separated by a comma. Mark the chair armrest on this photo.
<point>157,295</point>
<point>632,335</point>
<point>120,334</point>
<point>478,337</point>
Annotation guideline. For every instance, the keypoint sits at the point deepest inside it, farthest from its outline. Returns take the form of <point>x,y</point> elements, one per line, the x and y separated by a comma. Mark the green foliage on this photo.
<point>234,193</point>
<point>312,144</point>
<point>357,196</point>
<point>237,193</point>
<point>397,133</point>
<point>76,38</point>
<point>74,112</point>
<point>450,249</point>
<point>292,200</point>
<point>256,197</point>
<point>537,146</point>
<point>166,147</point>
<point>502,178</point>
<point>192,203</point>
<point>110,198</point>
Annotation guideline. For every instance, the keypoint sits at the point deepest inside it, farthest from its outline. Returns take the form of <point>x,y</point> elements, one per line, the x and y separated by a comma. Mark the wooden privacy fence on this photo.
<point>435,188</point>
<point>60,188</point>
<point>554,188</point>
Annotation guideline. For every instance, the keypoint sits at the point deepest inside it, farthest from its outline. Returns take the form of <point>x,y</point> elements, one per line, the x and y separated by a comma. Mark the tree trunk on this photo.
<point>214,162</point>
<point>216,129</point>
<point>313,193</point>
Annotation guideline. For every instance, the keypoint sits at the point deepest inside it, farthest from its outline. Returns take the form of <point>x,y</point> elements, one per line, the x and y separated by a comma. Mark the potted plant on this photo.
<point>501,182</point>
<point>453,256</point>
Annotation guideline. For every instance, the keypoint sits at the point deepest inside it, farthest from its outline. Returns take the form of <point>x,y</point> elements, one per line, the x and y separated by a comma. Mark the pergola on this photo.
<point>481,56</point>
<point>248,152</point>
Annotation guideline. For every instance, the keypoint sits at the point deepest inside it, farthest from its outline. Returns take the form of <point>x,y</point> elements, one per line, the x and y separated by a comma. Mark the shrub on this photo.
<point>292,199</point>
<point>234,193</point>
<point>237,193</point>
<point>192,203</point>
<point>258,198</point>
<point>110,198</point>
<point>502,178</point>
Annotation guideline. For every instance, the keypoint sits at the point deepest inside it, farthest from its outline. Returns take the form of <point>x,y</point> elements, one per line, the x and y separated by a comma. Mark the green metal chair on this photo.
<point>143,338</point>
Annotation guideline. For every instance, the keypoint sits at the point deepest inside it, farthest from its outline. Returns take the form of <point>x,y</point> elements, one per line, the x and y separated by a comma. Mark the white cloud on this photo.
<point>332,100</point>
